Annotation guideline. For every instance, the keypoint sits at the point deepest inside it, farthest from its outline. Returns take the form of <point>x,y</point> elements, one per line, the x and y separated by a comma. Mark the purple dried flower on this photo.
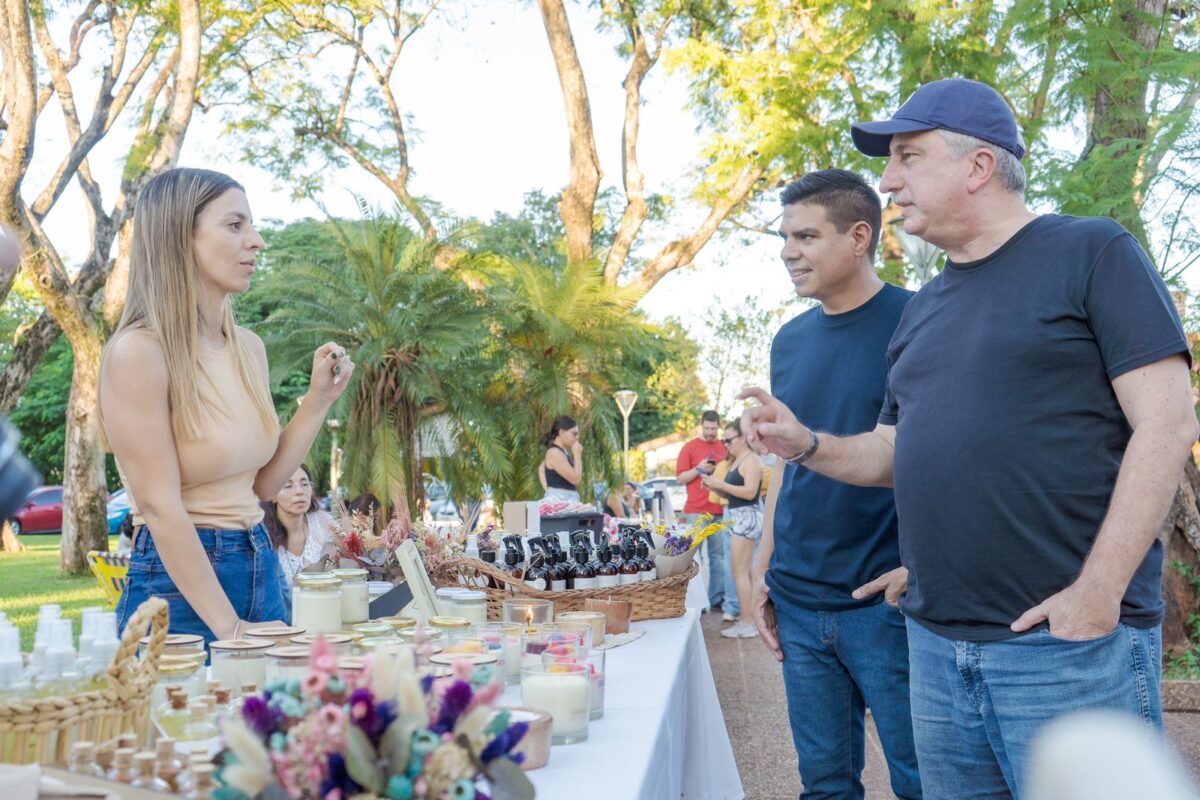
<point>454,703</point>
<point>258,716</point>
<point>426,683</point>
<point>508,738</point>
<point>339,779</point>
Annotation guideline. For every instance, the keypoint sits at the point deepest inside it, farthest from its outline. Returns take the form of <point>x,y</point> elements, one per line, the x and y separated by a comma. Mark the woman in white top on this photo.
<point>298,528</point>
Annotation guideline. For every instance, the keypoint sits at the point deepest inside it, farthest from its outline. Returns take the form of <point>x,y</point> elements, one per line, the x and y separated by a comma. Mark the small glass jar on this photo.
<point>177,644</point>
<point>595,618</point>
<point>447,599</point>
<point>353,670</point>
<point>287,663</point>
<point>342,643</point>
<point>528,610</point>
<point>184,673</point>
<point>389,647</point>
<point>508,637</point>
<point>472,606</point>
<point>279,634</point>
<point>398,623</point>
<point>431,635</point>
<point>449,625</point>
<point>239,661</point>
<point>372,629</point>
<point>355,599</point>
<point>317,603</point>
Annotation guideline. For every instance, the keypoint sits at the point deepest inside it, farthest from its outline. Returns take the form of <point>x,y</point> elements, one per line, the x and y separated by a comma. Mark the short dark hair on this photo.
<point>844,195</point>
<point>710,416</point>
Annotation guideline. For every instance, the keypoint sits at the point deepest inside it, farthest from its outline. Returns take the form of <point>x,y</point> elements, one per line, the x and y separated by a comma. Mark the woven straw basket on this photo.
<point>658,599</point>
<point>42,729</point>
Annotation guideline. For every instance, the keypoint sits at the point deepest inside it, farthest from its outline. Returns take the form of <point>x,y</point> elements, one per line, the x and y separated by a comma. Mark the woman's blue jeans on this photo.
<point>246,567</point>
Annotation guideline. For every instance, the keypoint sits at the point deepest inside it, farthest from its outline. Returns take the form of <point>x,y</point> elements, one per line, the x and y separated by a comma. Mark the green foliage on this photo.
<point>415,333</point>
<point>40,416</point>
<point>569,342</point>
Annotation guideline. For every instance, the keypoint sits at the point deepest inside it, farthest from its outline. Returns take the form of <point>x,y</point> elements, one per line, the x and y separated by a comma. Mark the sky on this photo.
<point>488,127</point>
<point>487,69</point>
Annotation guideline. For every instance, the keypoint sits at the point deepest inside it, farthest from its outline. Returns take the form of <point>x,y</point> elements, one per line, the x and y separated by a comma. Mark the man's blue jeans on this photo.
<point>977,706</point>
<point>835,664</point>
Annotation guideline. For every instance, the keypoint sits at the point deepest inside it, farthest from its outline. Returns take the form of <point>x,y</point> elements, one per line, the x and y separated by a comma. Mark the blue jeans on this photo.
<point>835,664</point>
<point>977,705</point>
<point>716,548</point>
<point>246,567</point>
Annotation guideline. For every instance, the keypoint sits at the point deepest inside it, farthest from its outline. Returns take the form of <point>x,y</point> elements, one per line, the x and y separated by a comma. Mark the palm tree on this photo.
<point>419,337</point>
<point>569,341</point>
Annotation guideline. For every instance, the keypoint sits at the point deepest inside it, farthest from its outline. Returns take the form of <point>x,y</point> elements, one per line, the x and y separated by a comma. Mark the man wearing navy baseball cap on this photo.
<point>1037,416</point>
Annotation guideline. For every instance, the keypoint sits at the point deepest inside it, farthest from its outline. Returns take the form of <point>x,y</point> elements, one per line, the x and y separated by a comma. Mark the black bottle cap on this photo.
<point>488,556</point>
<point>510,557</point>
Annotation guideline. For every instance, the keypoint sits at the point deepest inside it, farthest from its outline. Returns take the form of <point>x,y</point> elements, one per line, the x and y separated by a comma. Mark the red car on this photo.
<point>40,513</point>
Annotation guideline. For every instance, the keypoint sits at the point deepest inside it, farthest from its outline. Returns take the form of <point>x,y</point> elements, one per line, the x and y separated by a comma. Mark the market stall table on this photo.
<point>662,735</point>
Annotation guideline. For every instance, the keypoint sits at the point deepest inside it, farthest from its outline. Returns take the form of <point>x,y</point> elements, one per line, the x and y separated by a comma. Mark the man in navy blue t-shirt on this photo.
<point>1037,418</point>
<point>823,539</point>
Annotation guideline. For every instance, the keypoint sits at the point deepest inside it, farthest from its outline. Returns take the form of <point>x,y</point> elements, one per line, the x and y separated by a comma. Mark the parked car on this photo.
<point>41,512</point>
<point>119,519</point>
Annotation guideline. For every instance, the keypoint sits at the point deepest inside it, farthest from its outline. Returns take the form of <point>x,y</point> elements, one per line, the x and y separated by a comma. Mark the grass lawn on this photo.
<point>31,578</point>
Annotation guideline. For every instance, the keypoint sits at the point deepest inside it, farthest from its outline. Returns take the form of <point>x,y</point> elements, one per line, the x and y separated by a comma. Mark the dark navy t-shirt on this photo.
<point>830,537</point>
<point>1008,433</point>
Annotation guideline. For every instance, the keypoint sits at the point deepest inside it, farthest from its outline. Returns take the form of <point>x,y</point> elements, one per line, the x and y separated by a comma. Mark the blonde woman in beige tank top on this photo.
<point>187,411</point>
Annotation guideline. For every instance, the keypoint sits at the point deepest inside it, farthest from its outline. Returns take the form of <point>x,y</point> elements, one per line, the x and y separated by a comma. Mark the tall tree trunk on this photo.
<point>84,495</point>
<point>579,201</point>
<point>1118,133</point>
<point>1181,542</point>
<point>18,91</point>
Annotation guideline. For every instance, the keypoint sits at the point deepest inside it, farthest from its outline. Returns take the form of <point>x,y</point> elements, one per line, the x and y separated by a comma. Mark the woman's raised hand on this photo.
<point>331,371</point>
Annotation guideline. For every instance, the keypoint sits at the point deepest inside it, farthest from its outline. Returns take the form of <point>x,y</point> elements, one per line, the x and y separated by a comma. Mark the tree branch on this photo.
<point>20,93</point>
<point>634,180</point>
<point>680,252</point>
<point>579,200</point>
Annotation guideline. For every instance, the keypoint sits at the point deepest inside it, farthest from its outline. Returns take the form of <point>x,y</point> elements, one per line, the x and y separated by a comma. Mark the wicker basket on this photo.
<point>42,729</point>
<point>659,599</point>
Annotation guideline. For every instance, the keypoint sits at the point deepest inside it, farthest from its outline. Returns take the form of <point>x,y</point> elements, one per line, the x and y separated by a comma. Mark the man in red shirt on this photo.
<point>699,457</point>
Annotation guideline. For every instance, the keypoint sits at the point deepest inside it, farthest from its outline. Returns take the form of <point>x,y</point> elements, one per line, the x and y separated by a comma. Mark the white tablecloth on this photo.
<point>662,735</point>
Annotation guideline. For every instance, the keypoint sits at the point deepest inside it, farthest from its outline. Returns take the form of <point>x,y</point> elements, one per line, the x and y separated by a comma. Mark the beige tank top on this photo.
<point>217,469</point>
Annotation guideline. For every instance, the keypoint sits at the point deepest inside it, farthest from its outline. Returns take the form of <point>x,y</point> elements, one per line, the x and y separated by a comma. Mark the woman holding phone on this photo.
<point>187,411</point>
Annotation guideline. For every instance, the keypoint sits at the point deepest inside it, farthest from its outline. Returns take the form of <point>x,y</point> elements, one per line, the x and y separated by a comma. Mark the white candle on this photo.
<point>565,695</point>
<point>319,612</point>
<point>235,668</point>
<point>355,596</point>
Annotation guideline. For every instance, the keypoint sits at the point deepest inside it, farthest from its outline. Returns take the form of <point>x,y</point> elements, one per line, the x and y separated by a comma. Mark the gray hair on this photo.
<point>1008,166</point>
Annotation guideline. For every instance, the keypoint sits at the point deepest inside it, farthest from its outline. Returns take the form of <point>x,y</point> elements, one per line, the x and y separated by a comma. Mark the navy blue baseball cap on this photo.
<point>953,104</point>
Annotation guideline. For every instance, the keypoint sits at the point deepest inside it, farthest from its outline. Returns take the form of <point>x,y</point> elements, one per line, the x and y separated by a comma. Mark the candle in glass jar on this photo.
<point>508,635</point>
<point>318,603</point>
<point>355,598</point>
<point>595,618</point>
<point>564,691</point>
<point>240,661</point>
<point>530,611</point>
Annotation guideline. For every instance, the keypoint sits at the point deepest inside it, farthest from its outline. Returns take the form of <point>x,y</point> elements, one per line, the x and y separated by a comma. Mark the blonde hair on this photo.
<point>162,296</point>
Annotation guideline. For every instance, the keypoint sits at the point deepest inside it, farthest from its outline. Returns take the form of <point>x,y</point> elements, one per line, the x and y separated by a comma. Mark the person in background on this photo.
<point>298,528</point>
<point>744,514</point>
<point>186,407</point>
<point>562,466</point>
<point>367,504</point>
<point>698,458</point>
<point>632,499</point>
<point>615,505</point>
